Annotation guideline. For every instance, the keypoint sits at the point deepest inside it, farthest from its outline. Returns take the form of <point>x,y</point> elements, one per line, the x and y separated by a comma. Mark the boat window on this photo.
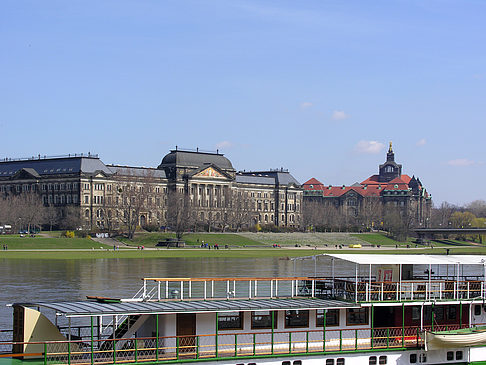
<point>230,321</point>
<point>263,320</point>
<point>415,313</point>
<point>297,362</point>
<point>477,310</point>
<point>356,316</point>
<point>332,317</point>
<point>382,360</point>
<point>372,360</point>
<point>413,358</point>
<point>422,358</point>
<point>251,363</point>
<point>458,355</point>
<point>450,355</point>
<point>340,361</point>
<point>297,318</point>
<point>285,362</point>
<point>330,362</point>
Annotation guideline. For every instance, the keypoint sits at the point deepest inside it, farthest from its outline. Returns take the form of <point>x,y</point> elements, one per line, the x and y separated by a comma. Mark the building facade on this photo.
<point>107,197</point>
<point>366,203</point>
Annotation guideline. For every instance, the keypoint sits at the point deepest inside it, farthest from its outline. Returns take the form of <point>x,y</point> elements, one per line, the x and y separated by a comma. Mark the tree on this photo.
<point>398,222</point>
<point>28,209</point>
<point>441,216</point>
<point>51,216</point>
<point>478,208</point>
<point>239,215</point>
<point>71,219</point>
<point>371,212</point>
<point>179,217</point>
<point>133,189</point>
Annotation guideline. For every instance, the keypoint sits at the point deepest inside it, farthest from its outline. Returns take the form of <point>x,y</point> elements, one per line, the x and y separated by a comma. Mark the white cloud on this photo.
<point>224,144</point>
<point>339,115</point>
<point>370,147</point>
<point>306,104</point>
<point>461,162</point>
<point>421,142</point>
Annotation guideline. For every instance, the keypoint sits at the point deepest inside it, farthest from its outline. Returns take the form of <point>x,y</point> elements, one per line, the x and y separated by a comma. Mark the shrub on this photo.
<point>69,234</point>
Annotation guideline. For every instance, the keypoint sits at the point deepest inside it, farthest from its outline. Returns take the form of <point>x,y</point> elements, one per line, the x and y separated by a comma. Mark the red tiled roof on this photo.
<point>313,184</point>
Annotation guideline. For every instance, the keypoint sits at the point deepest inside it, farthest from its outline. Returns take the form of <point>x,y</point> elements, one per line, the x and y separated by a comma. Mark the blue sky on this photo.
<point>319,87</point>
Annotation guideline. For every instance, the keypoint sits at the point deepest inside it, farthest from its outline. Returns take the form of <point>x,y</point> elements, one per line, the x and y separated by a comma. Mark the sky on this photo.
<point>318,87</point>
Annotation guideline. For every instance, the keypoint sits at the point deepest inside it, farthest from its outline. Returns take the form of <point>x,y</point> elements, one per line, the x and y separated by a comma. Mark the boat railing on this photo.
<point>416,290</point>
<point>347,288</point>
<point>222,345</point>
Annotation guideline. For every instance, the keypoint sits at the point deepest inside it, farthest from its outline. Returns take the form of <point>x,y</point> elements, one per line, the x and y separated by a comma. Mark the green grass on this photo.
<point>46,243</point>
<point>192,239</point>
<point>223,253</point>
<point>381,239</point>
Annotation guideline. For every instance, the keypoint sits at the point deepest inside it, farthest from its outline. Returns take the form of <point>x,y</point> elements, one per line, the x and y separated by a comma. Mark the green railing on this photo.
<point>224,346</point>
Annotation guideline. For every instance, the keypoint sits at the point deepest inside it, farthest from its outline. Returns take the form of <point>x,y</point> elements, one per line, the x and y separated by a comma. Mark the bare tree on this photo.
<point>179,217</point>
<point>441,216</point>
<point>398,222</point>
<point>371,212</point>
<point>29,210</point>
<point>478,208</point>
<point>133,189</point>
<point>71,218</point>
<point>51,216</point>
<point>239,214</point>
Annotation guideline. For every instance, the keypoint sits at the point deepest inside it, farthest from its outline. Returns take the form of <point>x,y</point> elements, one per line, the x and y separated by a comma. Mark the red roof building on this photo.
<point>365,204</point>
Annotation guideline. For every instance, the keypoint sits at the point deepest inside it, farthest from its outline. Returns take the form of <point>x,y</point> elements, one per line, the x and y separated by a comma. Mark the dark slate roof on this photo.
<point>137,171</point>
<point>86,308</point>
<point>278,177</point>
<point>254,179</point>
<point>195,160</point>
<point>50,166</point>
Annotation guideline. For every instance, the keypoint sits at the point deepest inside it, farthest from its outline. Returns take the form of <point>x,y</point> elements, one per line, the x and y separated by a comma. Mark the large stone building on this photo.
<point>215,194</point>
<point>366,203</point>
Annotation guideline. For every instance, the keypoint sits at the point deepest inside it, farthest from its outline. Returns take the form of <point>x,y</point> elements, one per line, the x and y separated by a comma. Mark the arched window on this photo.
<point>86,213</point>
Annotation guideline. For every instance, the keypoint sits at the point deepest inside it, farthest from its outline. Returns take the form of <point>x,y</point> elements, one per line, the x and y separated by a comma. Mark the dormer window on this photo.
<point>389,169</point>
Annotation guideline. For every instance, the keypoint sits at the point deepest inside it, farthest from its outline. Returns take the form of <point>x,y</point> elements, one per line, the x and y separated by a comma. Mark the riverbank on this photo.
<point>284,253</point>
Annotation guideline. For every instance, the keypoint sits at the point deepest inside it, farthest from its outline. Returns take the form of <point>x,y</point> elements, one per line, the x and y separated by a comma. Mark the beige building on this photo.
<point>110,197</point>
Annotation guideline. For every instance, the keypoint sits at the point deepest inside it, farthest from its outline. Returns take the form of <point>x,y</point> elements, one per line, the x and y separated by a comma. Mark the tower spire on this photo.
<point>390,149</point>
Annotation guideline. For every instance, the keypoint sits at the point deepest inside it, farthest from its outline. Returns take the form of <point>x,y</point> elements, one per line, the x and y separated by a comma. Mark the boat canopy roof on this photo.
<point>378,259</point>
<point>90,308</point>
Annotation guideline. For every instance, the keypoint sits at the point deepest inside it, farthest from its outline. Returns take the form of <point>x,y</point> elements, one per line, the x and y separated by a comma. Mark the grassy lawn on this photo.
<point>45,243</point>
<point>381,239</point>
<point>193,239</point>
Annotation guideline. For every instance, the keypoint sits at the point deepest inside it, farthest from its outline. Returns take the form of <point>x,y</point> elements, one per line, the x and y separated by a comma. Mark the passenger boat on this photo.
<point>383,312</point>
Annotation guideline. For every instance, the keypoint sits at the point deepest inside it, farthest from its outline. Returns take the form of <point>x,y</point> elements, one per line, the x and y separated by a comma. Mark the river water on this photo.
<point>61,280</point>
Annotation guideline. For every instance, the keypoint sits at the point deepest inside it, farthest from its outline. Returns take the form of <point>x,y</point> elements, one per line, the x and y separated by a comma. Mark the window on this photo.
<point>382,360</point>
<point>86,199</point>
<point>230,321</point>
<point>415,313</point>
<point>286,362</point>
<point>458,355</point>
<point>373,360</point>
<point>477,310</point>
<point>330,362</point>
<point>297,318</point>
<point>332,317</point>
<point>356,316</point>
<point>297,362</point>
<point>450,355</point>
<point>413,358</point>
<point>422,358</point>
<point>340,361</point>
<point>263,320</point>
